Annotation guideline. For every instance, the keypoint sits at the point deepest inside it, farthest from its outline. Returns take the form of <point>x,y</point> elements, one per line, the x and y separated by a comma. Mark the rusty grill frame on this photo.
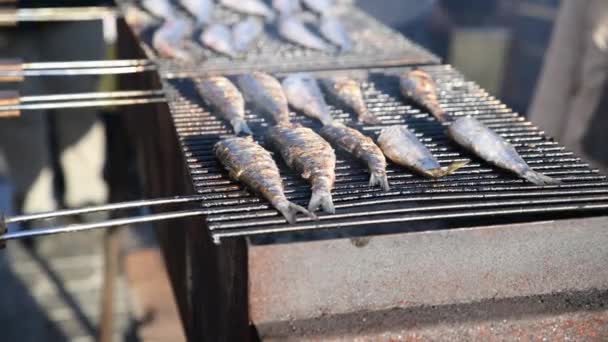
<point>475,193</point>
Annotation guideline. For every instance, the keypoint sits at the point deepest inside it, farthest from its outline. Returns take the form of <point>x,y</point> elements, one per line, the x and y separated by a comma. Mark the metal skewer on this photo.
<point>15,70</point>
<point>15,15</point>
<point>104,224</point>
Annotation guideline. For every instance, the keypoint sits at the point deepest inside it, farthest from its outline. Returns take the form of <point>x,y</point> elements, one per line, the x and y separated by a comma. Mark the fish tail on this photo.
<point>540,179</point>
<point>444,171</point>
<point>379,178</point>
<point>240,126</point>
<point>321,198</point>
<point>289,210</point>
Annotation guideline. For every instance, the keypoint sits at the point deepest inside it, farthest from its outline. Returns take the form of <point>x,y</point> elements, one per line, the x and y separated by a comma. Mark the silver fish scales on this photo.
<point>266,93</point>
<point>220,93</point>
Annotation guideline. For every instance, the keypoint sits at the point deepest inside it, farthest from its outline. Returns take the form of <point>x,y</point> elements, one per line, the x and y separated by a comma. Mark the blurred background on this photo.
<point>546,63</point>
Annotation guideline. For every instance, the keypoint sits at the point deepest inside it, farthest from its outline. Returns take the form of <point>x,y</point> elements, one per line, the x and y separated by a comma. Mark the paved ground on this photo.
<point>53,294</point>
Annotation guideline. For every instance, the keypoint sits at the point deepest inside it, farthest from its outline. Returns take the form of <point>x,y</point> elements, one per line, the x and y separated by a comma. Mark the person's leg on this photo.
<point>80,132</point>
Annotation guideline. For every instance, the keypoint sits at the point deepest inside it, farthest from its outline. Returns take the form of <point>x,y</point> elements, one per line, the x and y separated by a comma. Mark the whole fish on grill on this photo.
<point>266,93</point>
<point>293,29</point>
<point>420,87</point>
<point>245,33</point>
<point>218,37</point>
<point>332,29</point>
<point>401,146</point>
<point>348,91</point>
<point>202,10</point>
<point>159,8</point>
<point>168,40</point>
<point>319,6</point>
<point>303,94</point>
<point>287,7</point>
<point>252,165</point>
<point>220,93</point>
<point>468,132</point>
<point>309,154</point>
<point>253,7</point>
<point>473,135</point>
<point>361,147</point>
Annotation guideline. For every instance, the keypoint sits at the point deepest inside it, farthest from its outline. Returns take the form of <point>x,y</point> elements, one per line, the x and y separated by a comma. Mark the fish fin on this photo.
<point>379,178</point>
<point>240,126</point>
<point>290,210</point>
<point>444,171</point>
<point>540,179</point>
<point>321,198</point>
<point>368,118</point>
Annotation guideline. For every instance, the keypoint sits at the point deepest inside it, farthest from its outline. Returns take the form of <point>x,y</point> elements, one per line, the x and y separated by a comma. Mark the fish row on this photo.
<point>170,39</point>
<point>312,155</point>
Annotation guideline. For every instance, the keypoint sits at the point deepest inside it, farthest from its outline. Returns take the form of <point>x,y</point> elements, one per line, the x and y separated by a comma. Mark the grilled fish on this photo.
<point>218,37</point>
<point>202,10</point>
<point>469,133</point>
<point>332,29</point>
<point>485,143</point>
<point>361,147</point>
<point>159,8</point>
<point>266,93</point>
<point>287,7</point>
<point>137,19</point>
<point>245,32</point>
<point>420,87</point>
<point>168,40</point>
<point>293,29</point>
<point>252,165</point>
<point>253,7</point>
<point>319,6</point>
<point>303,94</point>
<point>401,146</point>
<point>306,152</point>
<point>348,91</point>
<point>220,93</point>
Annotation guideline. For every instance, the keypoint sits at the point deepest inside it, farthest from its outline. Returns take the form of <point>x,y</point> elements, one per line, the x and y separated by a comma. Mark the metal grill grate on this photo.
<point>374,44</point>
<point>477,193</point>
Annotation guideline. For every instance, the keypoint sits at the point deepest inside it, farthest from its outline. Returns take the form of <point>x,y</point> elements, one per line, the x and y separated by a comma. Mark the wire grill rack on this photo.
<point>476,194</point>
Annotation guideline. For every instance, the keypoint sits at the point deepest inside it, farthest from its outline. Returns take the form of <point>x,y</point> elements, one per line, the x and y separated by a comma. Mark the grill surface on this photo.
<point>476,194</point>
<point>374,44</point>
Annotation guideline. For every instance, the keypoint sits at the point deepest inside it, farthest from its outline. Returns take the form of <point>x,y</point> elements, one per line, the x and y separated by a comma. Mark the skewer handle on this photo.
<point>11,70</point>
<point>9,98</point>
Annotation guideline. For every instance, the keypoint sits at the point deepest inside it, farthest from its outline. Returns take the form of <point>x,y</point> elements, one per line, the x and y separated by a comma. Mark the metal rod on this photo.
<point>83,104</point>
<point>105,207</point>
<point>114,63</point>
<point>98,225</point>
<point>78,71</point>
<point>57,14</point>
<point>92,95</point>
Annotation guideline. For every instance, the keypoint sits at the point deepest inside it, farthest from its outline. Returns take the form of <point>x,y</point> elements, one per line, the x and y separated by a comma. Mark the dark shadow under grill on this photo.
<point>476,194</point>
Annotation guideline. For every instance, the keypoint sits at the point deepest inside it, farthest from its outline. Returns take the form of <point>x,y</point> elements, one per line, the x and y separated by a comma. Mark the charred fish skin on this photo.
<point>219,38</point>
<point>266,93</point>
<point>250,164</point>
<point>306,152</point>
<point>253,7</point>
<point>220,93</point>
<point>348,91</point>
<point>332,29</point>
<point>361,147</point>
<point>474,136</point>
<point>402,147</point>
<point>293,29</point>
<point>419,86</point>
<point>304,94</point>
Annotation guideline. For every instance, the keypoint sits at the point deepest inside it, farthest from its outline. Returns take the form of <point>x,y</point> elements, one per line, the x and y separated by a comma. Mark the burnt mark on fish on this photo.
<point>419,86</point>
<point>306,152</point>
<point>250,164</point>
